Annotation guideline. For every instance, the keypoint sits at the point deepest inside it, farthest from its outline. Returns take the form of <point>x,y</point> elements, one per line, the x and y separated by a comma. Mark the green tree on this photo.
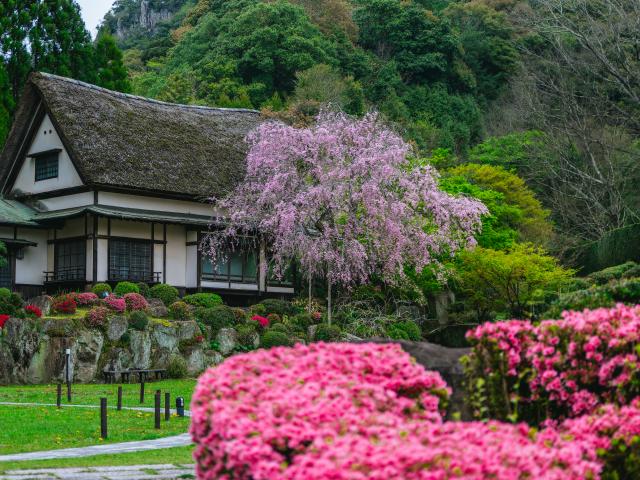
<point>6,104</point>
<point>496,281</point>
<point>111,72</point>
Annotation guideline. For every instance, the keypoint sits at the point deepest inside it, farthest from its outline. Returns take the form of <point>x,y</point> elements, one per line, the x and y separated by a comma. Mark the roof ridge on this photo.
<point>138,97</point>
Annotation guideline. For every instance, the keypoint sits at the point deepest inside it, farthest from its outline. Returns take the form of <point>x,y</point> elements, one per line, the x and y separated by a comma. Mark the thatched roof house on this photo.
<point>105,186</point>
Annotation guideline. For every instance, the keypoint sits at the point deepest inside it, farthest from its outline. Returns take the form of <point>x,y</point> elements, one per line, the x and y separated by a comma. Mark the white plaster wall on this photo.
<point>46,139</point>
<point>191,280</point>
<point>153,203</point>
<point>68,201</point>
<point>176,255</point>
<point>129,229</point>
<point>29,270</point>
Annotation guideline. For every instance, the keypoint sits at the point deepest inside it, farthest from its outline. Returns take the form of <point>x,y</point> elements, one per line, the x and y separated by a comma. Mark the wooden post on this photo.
<point>103,417</point>
<point>141,390</point>
<point>157,408</point>
<point>167,406</point>
<point>59,395</point>
<point>120,397</point>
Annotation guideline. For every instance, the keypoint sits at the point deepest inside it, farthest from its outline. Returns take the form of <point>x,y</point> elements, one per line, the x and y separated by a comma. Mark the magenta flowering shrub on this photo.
<point>97,317</point>
<point>135,301</point>
<point>116,304</point>
<point>558,369</point>
<point>86,299</point>
<point>258,415</point>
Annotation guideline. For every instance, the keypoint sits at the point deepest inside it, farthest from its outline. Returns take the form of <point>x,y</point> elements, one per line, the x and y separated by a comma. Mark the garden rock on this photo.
<point>141,349</point>
<point>116,327</point>
<point>157,308</point>
<point>43,302</point>
<point>87,353</point>
<point>196,361</point>
<point>227,339</point>
<point>117,359</point>
<point>6,366</point>
<point>312,331</point>
<point>214,358</point>
<point>23,340</point>
<point>187,330</point>
<point>445,361</point>
<point>165,337</point>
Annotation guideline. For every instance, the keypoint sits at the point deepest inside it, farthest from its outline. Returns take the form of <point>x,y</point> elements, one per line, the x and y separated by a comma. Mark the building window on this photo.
<point>238,266</point>
<point>70,260</point>
<point>47,166</point>
<point>130,260</point>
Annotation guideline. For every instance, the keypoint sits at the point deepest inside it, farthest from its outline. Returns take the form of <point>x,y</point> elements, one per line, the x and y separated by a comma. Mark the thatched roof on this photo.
<point>124,141</point>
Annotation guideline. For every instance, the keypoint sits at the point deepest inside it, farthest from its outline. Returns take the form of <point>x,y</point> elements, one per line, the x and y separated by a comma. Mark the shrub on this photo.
<point>135,301</point>
<point>64,304</point>
<point>97,317</point>
<point>612,273</point>
<point>101,288</point>
<point>10,303</point>
<point>268,388</point>
<point>327,333</point>
<point>164,292</point>
<point>262,321</point>
<point>217,317</point>
<point>257,309</point>
<point>122,288</point>
<point>280,327</point>
<point>274,318</point>
<point>302,321</point>
<point>180,311</point>
<point>204,300</point>
<point>144,289</point>
<point>277,306</point>
<point>138,320</point>
<point>116,304</point>
<point>33,311</point>
<point>177,367</point>
<point>411,329</point>
<point>185,345</point>
<point>86,299</point>
<point>246,335</point>
<point>395,332</point>
<point>240,314</point>
<point>558,369</point>
<point>273,338</point>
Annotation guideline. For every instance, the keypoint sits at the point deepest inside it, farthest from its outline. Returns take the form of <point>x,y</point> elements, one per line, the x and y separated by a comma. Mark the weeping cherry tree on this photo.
<point>344,200</point>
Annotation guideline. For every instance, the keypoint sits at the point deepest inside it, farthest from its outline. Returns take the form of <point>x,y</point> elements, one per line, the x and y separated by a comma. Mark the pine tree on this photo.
<point>111,72</point>
<point>6,104</point>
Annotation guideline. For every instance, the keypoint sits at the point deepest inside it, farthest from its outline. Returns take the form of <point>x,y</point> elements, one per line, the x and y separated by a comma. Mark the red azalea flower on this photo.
<point>3,320</point>
<point>264,322</point>
<point>33,310</point>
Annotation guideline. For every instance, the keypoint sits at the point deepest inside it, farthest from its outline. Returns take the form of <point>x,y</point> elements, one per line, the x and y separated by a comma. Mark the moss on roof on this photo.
<point>133,142</point>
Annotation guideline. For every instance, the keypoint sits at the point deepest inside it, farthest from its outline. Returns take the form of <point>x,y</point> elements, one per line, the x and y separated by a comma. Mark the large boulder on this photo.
<point>164,337</point>
<point>141,349</point>
<point>227,339</point>
<point>43,302</point>
<point>117,359</point>
<point>86,354</point>
<point>187,330</point>
<point>157,308</point>
<point>116,327</point>
<point>48,364</point>
<point>23,339</point>
<point>6,365</point>
<point>196,361</point>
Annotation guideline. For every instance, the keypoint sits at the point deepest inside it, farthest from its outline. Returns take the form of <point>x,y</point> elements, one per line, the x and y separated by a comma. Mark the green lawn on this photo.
<point>175,456</point>
<point>29,429</point>
<point>90,394</point>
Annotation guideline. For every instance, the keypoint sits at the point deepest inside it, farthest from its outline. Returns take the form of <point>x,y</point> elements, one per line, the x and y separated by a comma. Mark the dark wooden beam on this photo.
<point>95,249</point>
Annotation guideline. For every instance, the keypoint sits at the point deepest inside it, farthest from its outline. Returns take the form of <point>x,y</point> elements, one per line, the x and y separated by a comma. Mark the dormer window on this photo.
<point>46,164</point>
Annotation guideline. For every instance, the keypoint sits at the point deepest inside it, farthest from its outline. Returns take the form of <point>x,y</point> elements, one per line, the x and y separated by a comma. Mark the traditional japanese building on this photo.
<point>101,186</point>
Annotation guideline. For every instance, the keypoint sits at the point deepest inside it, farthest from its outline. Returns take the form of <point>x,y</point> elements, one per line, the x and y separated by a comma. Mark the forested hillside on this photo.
<point>544,91</point>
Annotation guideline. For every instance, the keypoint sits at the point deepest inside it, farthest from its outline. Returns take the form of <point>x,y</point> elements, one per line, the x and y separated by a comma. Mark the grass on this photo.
<point>90,394</point>
<point>30,429</point>
<point>173,456</point>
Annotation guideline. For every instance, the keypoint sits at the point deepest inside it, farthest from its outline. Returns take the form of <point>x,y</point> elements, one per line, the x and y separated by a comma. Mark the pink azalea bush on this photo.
<point>358,412</point>
<point>135,301</point>
<point>86,299</point>
<point>116,304</point>
<point>257,415</point>
<point>560,368</point>
<point>97,317</point>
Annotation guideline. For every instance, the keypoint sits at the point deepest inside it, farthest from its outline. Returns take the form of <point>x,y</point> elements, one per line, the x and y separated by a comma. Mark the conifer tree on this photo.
<point>111,72</point>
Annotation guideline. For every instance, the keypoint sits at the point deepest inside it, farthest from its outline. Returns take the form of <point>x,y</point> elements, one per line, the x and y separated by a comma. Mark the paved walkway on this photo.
<point>138,446</point>
<point>135,472</point>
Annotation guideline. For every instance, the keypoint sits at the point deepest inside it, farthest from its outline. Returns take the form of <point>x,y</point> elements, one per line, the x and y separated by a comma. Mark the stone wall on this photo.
<point>32,351</point>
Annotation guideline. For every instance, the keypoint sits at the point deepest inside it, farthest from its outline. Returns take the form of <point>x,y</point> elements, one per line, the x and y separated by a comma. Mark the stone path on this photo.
<point>135,472</point>
<point>137,446</point>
